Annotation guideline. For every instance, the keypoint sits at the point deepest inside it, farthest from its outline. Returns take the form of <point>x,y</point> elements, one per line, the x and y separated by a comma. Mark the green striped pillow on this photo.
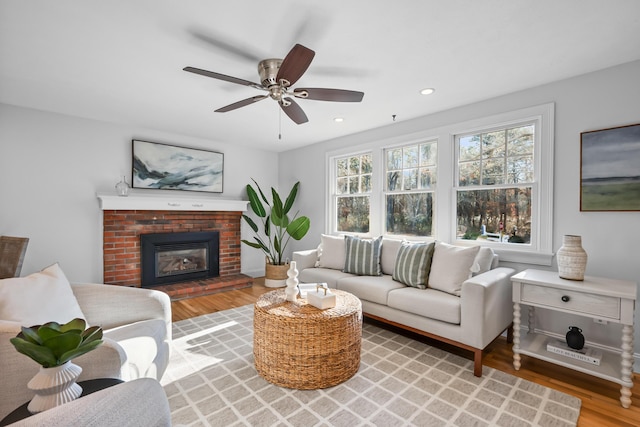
<point>362,257</point>
<point>413,264</point>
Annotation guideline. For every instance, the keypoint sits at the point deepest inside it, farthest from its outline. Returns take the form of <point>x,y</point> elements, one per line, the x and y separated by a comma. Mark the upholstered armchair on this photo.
<point>140,402</point>
<point>137,333</point>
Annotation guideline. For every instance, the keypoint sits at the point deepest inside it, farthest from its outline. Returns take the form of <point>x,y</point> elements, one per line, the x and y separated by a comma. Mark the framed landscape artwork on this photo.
<point>610,169</point>
<point>169,167</point>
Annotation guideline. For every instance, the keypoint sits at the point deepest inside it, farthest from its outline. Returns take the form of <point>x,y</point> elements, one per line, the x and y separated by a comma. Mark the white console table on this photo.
<point>597,298</point>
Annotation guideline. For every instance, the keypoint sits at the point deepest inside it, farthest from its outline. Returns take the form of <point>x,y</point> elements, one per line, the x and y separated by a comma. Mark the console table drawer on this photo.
<point>584,303</point>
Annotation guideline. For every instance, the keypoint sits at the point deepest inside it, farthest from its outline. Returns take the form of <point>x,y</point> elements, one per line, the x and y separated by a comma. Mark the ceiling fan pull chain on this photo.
<point>280,123</point>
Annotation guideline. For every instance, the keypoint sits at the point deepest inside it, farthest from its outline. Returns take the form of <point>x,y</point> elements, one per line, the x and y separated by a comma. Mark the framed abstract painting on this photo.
<point>610,169</point>
<point>170,167</point>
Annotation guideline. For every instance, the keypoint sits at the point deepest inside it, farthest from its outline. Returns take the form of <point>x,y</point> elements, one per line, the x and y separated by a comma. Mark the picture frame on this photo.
<point>172,167</point>
<point>610,169</point>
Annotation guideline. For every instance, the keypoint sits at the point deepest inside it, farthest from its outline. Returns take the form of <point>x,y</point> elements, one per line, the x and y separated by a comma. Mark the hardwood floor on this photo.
<point>600,398</point>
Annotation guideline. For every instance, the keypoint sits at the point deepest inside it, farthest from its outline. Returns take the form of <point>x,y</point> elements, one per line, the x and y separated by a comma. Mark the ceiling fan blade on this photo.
<point>226,78</point>
<point>336,95</point>
<point>242,103</point>
<point>295,64</point>
<point>234,47</point>
<point>294,111</point>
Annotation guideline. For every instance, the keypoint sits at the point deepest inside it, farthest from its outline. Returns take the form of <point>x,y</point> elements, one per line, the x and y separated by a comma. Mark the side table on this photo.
<point>298,346</point>
<point>88,387</point>
<point>597,298</point>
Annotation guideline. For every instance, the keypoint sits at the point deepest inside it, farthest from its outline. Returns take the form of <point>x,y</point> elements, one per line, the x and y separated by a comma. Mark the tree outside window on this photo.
<point>495,179</point>
<point>409,189</point>
<point>353,193</point>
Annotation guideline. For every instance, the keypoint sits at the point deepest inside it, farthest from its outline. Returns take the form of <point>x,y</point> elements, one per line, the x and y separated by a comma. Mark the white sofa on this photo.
<point>136,324</point>
<point>469,316</point>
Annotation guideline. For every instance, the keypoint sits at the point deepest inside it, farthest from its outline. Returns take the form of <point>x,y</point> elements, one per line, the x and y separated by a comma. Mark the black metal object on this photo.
<point>151,245</point>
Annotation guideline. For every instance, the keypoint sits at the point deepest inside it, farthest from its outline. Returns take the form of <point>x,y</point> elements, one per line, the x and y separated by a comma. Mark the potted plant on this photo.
<point>277,229</point>
<point>53,346</point>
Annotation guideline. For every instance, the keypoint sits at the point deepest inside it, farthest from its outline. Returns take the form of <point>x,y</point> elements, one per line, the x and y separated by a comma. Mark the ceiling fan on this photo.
<point>276,77</point>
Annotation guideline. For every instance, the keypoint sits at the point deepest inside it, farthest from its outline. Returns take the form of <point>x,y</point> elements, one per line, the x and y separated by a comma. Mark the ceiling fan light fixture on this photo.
<point>427,91</point>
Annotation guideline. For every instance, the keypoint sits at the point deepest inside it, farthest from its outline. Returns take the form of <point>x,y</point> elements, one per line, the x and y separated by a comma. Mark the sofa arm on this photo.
<point>142,402</point>
<point>486,306</point>
<point>305,259</point>
<point>108,360</point>
<point>111,306</point>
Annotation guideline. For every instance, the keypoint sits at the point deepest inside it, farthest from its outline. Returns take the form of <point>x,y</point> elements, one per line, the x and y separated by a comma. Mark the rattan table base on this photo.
<point>298,346</point>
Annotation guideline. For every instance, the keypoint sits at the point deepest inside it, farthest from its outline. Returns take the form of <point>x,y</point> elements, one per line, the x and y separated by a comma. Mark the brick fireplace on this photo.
<point>121,239</point>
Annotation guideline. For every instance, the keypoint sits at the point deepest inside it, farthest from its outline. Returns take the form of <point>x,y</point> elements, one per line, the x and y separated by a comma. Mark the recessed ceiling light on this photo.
<point>338,120</point>
<point>427,91</point>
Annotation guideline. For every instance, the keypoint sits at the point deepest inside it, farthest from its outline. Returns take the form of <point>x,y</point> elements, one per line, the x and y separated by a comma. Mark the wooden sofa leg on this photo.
<point>477,362</point>
<point>510,334</point>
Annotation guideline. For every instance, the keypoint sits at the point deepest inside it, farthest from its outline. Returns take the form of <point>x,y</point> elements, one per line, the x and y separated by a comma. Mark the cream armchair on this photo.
<point>137,334</point>
<point>140,402</point>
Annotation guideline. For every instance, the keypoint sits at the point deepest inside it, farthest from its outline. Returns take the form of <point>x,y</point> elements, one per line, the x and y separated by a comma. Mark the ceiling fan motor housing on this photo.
<point>268,71</point>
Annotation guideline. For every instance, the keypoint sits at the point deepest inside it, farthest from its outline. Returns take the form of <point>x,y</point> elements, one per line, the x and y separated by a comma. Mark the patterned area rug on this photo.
<point>211,381</point>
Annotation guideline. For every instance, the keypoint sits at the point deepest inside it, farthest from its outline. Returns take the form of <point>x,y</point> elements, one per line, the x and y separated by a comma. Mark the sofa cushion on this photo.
<point>143,342</point>
<point>430,303</point>
<point>331,252</point>
<point>39,298</point>
<point>322,275</point>
<point>362,256</point>
<point>451,266</point>
<point>413,263</point>
<point>388,254</point>
<point>369,288</point>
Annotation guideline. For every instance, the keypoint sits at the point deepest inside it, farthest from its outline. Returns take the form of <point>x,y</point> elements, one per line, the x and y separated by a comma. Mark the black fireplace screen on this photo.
<point>178,257</point>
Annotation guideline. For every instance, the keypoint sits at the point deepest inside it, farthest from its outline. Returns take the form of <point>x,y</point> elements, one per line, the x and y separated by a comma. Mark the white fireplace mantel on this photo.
<point>146,202</point>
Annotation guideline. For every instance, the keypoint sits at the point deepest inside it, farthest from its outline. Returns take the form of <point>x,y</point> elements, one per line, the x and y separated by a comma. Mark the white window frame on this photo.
<point>386,192</point>
<point>332,218</point>
<point>538,252</point>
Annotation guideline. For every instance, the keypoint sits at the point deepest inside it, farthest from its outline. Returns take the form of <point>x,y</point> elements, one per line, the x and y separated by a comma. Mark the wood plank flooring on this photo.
<point>600,398</point>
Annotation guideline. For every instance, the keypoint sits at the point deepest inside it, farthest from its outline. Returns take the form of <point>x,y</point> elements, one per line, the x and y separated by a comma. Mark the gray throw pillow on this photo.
<point>362,257</point>
<point>413,264</point>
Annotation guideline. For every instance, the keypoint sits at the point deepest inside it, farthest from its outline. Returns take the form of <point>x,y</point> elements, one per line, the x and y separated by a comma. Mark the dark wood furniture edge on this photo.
<point>477,352</point>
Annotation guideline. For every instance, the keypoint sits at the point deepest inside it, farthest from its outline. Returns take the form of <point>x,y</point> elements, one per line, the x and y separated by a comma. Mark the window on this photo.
<point>495,179</point>
<point>486,181</point>
<point>353,193</point>
<point>410,173</point>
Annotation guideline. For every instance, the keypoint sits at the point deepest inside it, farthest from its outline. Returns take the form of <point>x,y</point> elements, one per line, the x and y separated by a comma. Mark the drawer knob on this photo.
<point>565,298</point>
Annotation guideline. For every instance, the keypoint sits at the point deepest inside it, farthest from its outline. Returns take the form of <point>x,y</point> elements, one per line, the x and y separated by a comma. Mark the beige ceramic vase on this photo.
<point>572,259</point>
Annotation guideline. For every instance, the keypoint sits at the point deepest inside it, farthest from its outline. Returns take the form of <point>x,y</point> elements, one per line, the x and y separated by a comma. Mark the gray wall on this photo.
<point>603,99</point>
<point>52,165</point>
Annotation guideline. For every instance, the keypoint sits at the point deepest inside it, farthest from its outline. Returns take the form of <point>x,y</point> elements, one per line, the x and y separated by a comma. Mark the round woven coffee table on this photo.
<point>298,346</point>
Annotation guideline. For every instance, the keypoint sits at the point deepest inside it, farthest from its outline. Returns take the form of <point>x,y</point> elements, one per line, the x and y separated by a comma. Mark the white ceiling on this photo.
<point>121,60</point>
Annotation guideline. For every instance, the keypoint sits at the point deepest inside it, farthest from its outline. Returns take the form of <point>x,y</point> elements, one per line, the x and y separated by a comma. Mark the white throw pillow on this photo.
<point>390,248</point>
<point>332,252</point>
<point>451,266</point>
<point>483,261</point>
<point>39,298</point>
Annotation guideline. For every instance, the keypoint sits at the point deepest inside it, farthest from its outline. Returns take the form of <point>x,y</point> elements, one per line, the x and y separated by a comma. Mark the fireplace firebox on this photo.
<point>178,257</point>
